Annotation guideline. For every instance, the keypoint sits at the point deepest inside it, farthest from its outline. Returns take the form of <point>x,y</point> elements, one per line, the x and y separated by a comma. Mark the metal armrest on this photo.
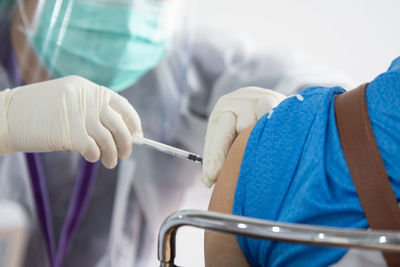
<point>272,230</point>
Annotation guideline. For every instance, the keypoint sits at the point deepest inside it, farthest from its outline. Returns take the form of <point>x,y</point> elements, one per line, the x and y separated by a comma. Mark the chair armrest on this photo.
<point>271,230</point>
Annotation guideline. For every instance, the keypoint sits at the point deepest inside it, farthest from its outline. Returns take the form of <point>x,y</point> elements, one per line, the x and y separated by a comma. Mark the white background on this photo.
<point>359,37</point>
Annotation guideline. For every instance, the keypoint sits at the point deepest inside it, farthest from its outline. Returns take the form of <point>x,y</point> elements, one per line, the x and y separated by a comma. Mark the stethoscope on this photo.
<point>76,210</point>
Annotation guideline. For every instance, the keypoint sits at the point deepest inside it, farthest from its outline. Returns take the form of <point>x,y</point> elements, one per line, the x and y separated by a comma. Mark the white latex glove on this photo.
<point>233,113</point>
<point>69,113</point>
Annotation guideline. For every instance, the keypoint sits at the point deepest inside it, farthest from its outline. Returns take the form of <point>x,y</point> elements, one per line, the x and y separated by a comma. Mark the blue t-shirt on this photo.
<point>294,170</point>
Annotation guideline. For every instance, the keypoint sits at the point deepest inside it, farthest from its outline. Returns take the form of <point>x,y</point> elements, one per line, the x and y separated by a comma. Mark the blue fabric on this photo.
<point>294,170</point>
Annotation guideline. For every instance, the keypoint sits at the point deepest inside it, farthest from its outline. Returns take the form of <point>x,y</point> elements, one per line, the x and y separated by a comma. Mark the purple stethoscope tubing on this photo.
<point>76,210</point>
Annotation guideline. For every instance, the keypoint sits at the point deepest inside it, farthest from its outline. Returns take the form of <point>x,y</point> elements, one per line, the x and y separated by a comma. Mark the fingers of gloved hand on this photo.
<point>265,104</point>
<point>119,130</point>
<point>127,112</point>
<point>91,152</point>
<point>105,141</point>
<point>221,132</point>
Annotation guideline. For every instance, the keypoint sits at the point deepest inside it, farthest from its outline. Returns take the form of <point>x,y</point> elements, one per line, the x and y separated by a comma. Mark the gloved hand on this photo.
<point>233,113</point>
<point>69,113</point>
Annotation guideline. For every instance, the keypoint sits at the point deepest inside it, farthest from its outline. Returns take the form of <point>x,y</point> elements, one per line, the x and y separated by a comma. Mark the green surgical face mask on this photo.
<point>112,43</point>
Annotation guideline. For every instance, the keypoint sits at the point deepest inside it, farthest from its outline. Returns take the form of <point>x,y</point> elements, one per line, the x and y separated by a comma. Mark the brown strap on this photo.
<point>365,164</point>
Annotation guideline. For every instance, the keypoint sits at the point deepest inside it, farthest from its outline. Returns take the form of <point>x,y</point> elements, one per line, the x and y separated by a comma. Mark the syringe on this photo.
<point>173,151</point>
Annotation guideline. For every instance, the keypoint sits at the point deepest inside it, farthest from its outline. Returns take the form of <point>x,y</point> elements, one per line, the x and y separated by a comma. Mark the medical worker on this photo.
<point>78,73</point>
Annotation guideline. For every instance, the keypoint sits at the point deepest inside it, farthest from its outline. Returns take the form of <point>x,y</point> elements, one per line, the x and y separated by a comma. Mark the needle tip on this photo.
<point>195,158</point>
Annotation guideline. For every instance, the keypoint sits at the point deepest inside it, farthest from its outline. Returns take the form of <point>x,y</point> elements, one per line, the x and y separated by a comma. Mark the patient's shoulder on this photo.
<point>222,249</point>
<point>224,190</point>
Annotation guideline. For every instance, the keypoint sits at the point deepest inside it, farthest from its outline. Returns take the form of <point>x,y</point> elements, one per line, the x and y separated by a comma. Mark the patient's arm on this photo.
<point>222,249</point>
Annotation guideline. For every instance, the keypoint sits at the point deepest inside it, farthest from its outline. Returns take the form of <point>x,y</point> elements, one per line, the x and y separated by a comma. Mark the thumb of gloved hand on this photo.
<point>69,113</point>
<point>232,114</point>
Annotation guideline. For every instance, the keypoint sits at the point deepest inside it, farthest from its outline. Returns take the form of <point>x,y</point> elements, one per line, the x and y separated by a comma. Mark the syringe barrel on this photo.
<point>173,151</point>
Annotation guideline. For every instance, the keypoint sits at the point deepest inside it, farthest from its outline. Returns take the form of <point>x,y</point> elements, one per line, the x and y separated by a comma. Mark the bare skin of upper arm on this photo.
<point>223,249</point>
